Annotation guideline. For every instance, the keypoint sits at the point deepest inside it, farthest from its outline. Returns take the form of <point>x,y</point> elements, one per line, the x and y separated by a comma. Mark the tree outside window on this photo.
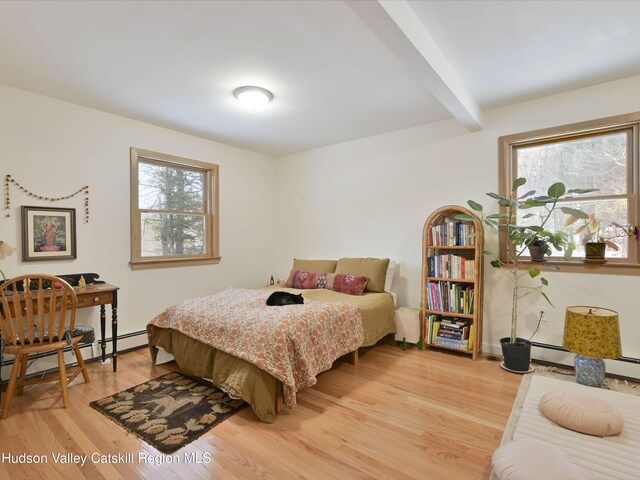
<point>174,217</point>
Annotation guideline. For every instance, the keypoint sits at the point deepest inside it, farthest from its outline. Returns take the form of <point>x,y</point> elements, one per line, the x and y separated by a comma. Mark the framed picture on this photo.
<point>48,233</point>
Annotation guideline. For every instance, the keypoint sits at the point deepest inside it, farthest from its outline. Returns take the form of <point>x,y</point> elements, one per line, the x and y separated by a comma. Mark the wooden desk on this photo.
<point>102,294</point>
<point>99,294</point>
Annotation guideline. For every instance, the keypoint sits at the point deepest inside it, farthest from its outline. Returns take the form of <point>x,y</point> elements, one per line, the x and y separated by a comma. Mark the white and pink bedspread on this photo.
<point>293,343</point>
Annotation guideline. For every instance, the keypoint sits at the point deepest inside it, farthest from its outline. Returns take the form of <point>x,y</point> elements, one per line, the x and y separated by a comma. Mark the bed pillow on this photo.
<point>321,266</point>
<point>528,458</point>
<point>338,282</point>
<point>349,284</point>
<point>303,280</point>
<point>375,269</point>
<point>388,279</point>
<point>581,413</point>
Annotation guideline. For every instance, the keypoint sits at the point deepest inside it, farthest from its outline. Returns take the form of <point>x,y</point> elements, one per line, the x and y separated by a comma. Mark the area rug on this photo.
<point>616,457</point>
<point>170,411</point>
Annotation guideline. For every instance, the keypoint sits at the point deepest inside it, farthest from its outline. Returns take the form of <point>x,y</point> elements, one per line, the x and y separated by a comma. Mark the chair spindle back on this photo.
<point>49,300</point>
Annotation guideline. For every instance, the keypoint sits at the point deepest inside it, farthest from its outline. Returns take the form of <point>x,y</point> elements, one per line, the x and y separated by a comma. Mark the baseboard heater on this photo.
<point>560,349</point>
<point>549,346</point>
<point>108,342</point>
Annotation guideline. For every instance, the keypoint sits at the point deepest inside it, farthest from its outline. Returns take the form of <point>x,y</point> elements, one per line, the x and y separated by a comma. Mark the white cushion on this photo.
<point>388,280</point>
<point>581,413</point>
<point>531,459</point>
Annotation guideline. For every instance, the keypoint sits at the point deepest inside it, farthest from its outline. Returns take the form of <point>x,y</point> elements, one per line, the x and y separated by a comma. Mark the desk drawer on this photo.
<point>91,299</point>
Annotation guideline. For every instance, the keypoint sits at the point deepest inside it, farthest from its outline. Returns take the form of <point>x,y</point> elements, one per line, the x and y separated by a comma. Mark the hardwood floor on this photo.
<point>396,415</point>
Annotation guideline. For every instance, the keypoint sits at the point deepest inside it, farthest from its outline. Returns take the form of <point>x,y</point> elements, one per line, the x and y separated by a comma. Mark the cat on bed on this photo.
<point>284,298</point>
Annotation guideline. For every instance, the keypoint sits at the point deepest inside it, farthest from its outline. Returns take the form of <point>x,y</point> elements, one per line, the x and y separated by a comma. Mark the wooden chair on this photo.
<point>39,319</point>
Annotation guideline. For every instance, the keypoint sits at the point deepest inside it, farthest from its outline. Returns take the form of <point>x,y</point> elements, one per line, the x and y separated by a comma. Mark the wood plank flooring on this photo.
<point>395,415</point>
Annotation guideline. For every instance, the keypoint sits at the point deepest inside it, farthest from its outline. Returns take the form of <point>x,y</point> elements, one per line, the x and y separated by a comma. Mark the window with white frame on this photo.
<point>602,155</point>
<point>174,210</point>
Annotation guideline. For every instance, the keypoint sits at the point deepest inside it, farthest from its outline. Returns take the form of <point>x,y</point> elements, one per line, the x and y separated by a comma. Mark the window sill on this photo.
<point>172,262</point>
<point>577,266</point>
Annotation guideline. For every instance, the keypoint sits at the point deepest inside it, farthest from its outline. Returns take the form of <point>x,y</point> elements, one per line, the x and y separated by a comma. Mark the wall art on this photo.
<point>48,233</point>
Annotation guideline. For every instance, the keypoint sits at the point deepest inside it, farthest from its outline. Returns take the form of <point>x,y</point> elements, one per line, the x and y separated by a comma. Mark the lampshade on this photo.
<point>592,332</point>
<point>5,250</point>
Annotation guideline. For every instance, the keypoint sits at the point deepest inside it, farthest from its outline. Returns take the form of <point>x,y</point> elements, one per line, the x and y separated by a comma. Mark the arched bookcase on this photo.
<point>452,281</point>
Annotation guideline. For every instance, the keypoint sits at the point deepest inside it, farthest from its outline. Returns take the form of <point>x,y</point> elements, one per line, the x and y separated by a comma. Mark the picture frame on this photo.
<point>48,233</point>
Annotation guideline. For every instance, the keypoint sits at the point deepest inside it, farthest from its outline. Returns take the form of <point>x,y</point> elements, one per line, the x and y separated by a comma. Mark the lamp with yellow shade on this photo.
<point>592,333</point>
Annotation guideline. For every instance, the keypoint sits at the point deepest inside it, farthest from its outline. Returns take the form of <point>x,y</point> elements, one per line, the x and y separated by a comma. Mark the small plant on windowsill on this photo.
<point>539,243</point>
<point>595,238</point>
<point>516,350</point>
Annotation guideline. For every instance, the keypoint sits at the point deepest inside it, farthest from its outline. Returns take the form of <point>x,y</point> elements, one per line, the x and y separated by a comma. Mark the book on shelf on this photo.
<point>443,333</point>
<point>450,297</point>
<point>451,266</point>
<point>432,326</point>
<point>455,322</point>
<point>452,232</point>
<point>462,331</point>
<point>452,335</point>
<point>452,343</point>
<point>462,334</point>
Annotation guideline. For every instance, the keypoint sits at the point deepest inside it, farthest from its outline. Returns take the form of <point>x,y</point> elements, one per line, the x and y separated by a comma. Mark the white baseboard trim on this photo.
<point>48,362</point>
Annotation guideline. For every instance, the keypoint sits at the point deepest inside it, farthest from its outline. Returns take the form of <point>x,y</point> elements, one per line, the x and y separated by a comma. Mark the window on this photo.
<point>174,211</point>
<point>600,154</point>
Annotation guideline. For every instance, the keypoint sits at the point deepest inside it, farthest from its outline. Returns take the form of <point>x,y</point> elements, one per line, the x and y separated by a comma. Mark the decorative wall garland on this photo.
<point>8,180</point>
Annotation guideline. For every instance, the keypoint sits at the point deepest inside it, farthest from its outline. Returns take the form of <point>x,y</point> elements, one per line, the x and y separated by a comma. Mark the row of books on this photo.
<point>450,297</point>
<point>452,233</point>
<point>451,266</point>
<point>452,333</point>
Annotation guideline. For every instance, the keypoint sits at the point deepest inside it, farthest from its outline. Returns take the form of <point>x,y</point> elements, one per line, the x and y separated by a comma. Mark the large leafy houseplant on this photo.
<point>537,211</point>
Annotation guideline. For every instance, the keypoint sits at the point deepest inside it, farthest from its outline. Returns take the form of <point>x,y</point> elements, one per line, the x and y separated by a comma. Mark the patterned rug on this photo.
<point>170,411</point>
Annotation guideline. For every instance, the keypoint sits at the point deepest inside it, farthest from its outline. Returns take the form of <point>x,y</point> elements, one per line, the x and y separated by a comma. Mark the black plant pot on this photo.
<point>595,250</point>
<point>517,356</point>
<point>536,252</point>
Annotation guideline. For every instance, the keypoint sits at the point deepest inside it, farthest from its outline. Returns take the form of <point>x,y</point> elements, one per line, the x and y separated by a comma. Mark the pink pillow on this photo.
<point>303,280</point>
<point>344,283</point>
<point>338,282</point>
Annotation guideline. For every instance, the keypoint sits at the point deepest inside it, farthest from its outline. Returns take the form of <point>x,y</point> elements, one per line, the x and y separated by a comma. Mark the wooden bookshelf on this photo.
<point>452,279</point>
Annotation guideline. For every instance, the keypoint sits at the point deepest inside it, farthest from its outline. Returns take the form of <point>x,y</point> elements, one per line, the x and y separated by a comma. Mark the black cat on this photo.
<point>284,298</point>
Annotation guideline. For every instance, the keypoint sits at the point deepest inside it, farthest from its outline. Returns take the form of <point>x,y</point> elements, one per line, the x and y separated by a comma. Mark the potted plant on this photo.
<point>537,246</point>
<point>539,242</point>
<point>593,237</point>
<point>525,281</point>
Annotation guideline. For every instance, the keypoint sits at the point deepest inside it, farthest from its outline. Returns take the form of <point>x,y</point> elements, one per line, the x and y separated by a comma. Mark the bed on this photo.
<point>343,323</point>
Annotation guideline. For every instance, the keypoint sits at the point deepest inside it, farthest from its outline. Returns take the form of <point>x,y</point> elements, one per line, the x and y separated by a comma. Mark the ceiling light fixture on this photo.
<point>253,97</point>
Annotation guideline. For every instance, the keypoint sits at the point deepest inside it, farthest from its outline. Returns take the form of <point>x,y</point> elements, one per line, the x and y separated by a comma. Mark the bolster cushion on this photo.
<point>338,282</point>
<point>581,413</point>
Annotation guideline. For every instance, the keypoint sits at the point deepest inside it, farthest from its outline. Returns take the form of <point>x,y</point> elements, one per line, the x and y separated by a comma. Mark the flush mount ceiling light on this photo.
<point>253,97</point>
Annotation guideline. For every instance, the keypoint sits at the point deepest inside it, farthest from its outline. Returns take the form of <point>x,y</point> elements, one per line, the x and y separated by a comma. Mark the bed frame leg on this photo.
<point>279,403</point>
<point>354,358</point>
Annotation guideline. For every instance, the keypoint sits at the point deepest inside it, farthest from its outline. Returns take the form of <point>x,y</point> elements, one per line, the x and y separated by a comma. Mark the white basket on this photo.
<point>407,324</point>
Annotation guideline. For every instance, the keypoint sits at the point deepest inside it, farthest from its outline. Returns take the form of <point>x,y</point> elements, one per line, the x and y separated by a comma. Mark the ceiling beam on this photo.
<point>397,25</point>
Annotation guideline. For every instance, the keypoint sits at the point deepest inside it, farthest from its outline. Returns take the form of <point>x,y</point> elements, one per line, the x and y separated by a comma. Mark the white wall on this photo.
<point>363,198</point>
<point>53,148</point>
<point>371,197</point>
